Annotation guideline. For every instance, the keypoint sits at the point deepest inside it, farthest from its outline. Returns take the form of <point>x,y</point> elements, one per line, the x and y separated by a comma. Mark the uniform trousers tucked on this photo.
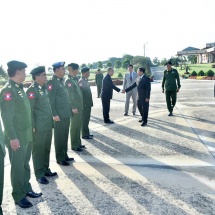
<point>106,109</point>
<point>1,177</point>
<point>127,101</point>
<point>75,130</point>
<point>85,121</point>
<point>41,152</point>
<point>171,97</point>
<point>61,133</point>
<point>143,108</point>
<point>20,170</point>
<point>99,88</point>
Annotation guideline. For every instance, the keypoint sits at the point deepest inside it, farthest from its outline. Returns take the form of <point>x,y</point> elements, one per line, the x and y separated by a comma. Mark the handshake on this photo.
<point>122,91</point>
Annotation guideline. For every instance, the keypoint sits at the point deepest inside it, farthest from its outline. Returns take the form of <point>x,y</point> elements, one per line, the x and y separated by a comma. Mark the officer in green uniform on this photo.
<point>170,78</point>
<point>98,79</point>
<point>76,102</point>
<point>16,116</point>
<point>87,102</point>
<point>2,154</point>
<point>42,125</point>
<point>61,112</point>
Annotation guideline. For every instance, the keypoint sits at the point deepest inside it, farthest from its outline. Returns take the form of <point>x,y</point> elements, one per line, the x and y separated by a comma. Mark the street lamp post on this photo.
<point>144,48</point>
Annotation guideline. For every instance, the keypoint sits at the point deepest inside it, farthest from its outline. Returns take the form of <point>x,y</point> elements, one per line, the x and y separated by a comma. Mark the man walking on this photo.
<point>143,85</point>
<point>98,79</point>
<point>76,103</point>
<point>107,94</point>
<point>16,116</point>
<point>129,79</point>
<point>42,125</point>
<point>87,102</point>
<point>170,77</point>
<point>61,112</point>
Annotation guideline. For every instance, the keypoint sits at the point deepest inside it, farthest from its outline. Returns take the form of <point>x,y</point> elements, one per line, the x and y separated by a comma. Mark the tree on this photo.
<point>175,61</point>
<point>109,64</point>
<point>127,56</point>
<point>155,61</point>
<point>163,61</point>
<point>192,59</point>
<point>125,63</point>
<point>3,74</point>
<point>83,65</point>
<point>99,65</point>
<point>118,64</point>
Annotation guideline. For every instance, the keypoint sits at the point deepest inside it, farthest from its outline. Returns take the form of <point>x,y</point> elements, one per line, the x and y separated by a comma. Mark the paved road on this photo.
<point>164,168</point>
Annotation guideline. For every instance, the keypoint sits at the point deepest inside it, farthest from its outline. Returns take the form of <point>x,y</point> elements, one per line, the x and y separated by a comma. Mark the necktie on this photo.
<point>131,77</point>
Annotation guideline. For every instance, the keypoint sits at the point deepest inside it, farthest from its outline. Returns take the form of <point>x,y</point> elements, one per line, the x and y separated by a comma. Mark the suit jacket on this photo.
<point>143,87</point>
<point>127,81</point>
<point>107,88</point>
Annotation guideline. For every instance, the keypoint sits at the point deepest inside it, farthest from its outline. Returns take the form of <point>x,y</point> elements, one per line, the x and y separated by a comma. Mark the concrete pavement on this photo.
<point>164,168</point>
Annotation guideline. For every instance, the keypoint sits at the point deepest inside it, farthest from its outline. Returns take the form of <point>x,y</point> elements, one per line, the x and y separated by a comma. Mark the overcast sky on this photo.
<point>41,32</point>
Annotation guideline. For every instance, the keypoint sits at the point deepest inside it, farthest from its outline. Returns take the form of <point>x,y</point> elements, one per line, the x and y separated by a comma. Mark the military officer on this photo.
<point>87,102</point>
<point>170,77</point>
<point>2,154</point>
<point>76,102</point>
<point>98,79</point>
<point>61,112</point>
<point>16,116</point>
<point>42,124</point>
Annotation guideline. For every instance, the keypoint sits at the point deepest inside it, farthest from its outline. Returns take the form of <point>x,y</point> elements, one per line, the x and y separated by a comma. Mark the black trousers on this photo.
<point>143,108</point>
<point>106,109</point>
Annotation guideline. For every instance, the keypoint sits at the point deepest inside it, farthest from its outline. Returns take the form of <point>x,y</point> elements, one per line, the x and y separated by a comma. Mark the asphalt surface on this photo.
<point>167,167</point>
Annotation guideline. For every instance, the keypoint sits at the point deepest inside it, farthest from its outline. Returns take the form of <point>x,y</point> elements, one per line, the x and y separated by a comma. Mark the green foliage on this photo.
<point>118,64</point>
<point>201,73</point>
<point>109,64</point>
<point>193,73</point>
<point>83,65</point>
<point>163,61</point>
<point>156,61</point>
<point>192,59</point>
<point>99,65</point>
<point>210,73</point>
<point>119,75</point>
<point>3,73</point>
<point>125,63</point>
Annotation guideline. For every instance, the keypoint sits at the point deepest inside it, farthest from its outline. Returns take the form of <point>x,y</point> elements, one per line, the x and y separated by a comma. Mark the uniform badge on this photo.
<point>7,96</point>
<point>49,87</point>
<point>31,95</point>
<point>69,84</point>
<point>80,84</point>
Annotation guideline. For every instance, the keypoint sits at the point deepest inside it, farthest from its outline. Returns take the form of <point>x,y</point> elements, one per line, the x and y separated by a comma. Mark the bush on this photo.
<point>120,75</point>
<point>213,65</point>
<point>193,73</point>
<point>201,73</point>
<point>210,73</point>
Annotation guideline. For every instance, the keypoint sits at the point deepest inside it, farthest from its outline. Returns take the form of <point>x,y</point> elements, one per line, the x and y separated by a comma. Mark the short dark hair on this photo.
<point>142,69</point>
<point>130,65</point>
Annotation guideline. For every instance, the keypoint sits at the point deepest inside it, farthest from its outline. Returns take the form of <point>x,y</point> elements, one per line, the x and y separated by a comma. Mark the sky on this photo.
<point>41,32</point>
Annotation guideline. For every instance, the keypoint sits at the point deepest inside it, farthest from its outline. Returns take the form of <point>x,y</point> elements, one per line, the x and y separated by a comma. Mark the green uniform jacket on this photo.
<point>169,80</point>
<point>75,94</point>
<point>87,94</point>
<point>41,110</point>
<point>16,113</point>
<point>99,78</point>
<point>2,145</point>
<point>58,98</point>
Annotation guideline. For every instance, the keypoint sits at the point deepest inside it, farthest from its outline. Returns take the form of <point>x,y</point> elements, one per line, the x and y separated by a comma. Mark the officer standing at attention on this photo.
<point>98,79</point>
<point>42,124</point>
<point>2,154</point>
<point>16,116</point>
<point>170,77</point>
<point>61,112</point>
<point>76,103</point>
<point>87,102</point>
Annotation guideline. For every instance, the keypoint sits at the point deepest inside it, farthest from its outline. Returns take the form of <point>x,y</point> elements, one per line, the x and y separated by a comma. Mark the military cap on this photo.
<point>98,70</point>
<point>38,70</point>
<point>85,69</point>
<point>168,62</point>
<point>57,65</point>
<point>17,65</point>
<point>73,65</point>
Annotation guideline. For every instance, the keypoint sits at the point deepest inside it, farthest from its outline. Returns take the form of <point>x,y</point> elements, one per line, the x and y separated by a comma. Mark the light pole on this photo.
<point>144,48</point>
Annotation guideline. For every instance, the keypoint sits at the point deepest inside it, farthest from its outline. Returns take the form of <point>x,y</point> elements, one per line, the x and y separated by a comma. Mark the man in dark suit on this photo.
<point>107,94</point>
<point>143,85</point>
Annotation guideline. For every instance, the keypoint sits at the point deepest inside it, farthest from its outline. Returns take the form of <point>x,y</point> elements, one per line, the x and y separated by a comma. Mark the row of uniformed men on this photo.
<point>57,104</point>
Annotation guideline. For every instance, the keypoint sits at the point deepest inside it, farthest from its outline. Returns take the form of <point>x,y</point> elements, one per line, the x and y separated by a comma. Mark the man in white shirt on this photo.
<point>129,80</point>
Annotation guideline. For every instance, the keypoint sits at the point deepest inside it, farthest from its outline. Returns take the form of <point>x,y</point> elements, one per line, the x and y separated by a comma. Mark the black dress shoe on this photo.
<point>170,114</point>
<point>125,114</point>
<point>144,124</point>
<point>110,122</point>
<point>51,174</point>
<point>69,159</point>
<point>82,146</point>
<point>63,163</point>
<point>140,120</point>
<point>91,135</point>
<point>134,114</point>
<point>43,180</point>
<point>24,203</point>
<point>77,150</point>
<point>32,194</point>
<point>87,137</point>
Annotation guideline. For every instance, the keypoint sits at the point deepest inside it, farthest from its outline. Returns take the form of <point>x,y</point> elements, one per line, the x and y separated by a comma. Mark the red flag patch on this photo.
<point>49,87</point>
<point>7,96</point>
<point>31,95</point>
